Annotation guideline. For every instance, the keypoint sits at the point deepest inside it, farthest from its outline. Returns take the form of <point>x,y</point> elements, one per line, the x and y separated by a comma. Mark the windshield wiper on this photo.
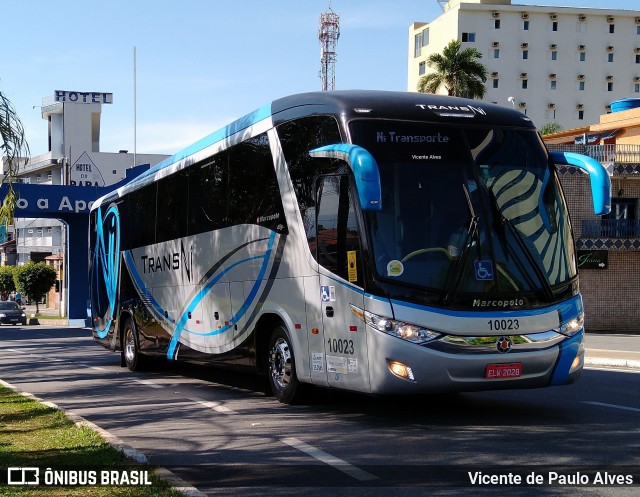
<point>533,262</point>
<point>469,239</point>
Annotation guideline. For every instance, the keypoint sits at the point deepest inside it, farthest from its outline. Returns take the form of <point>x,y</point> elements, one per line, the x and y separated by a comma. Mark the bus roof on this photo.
<point>350,104</point>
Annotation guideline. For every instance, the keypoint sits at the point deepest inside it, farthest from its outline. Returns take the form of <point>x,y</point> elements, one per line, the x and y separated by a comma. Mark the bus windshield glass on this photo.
<point>466,210</point>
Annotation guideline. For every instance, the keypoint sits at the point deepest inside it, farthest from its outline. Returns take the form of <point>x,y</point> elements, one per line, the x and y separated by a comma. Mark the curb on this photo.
<point>176,483</point>
<point>606,362</point>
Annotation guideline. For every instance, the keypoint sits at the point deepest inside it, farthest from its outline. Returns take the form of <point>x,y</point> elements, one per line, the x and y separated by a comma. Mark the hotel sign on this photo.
<point>83,97</point>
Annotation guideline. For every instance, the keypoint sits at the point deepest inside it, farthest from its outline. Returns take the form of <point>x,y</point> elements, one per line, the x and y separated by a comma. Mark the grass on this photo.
<point>35,435</point>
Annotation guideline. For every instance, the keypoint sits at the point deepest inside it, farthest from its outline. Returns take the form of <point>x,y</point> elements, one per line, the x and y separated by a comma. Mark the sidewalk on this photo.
<point>613,351</point>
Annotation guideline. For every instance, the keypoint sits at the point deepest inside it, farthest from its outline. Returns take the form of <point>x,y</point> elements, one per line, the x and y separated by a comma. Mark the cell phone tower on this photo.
<point>328,35</point>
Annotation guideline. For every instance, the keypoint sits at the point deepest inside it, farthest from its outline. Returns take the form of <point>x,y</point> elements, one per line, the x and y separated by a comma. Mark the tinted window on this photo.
<point>140,209</point>
<point>173,196</point>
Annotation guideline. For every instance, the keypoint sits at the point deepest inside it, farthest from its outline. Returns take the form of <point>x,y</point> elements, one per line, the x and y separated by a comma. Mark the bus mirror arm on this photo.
<point>365,171</point>
<point>600,181</point>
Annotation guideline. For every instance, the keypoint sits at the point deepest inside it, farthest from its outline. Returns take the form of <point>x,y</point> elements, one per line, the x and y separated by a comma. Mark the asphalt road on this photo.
<point>219,432</point>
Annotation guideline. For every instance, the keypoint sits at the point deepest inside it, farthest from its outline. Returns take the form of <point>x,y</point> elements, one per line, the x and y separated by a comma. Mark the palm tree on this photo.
<point>14,149</point>
<point>459,71</point>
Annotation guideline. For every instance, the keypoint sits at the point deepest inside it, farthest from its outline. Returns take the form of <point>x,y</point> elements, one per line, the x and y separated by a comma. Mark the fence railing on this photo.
<point>603,153</point>
<point>610,228</point>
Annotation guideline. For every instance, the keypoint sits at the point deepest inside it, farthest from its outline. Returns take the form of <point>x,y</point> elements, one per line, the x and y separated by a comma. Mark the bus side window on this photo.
<point>337,238</point>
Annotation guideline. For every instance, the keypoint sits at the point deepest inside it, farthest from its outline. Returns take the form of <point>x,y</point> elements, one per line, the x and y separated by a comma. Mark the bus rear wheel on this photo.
<point>282,369</point>
<point>130,348</point>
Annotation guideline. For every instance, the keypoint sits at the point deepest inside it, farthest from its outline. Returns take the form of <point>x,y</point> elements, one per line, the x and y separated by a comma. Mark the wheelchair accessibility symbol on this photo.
<point>484,270</point>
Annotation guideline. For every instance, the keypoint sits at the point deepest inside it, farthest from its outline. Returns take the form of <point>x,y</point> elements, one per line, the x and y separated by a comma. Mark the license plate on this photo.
<point>498,371</point>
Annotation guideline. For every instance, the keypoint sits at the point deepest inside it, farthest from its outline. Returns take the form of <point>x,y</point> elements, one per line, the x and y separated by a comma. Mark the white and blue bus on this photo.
<point>378,242</point>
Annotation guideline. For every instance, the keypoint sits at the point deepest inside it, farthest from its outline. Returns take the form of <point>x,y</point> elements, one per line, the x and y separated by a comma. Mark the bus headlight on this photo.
<point>407,331</point>
<point>571,327</point>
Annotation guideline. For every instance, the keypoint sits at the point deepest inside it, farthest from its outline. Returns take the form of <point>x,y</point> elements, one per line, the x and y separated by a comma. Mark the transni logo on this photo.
<point>504,344</point>
<point>454,110</point>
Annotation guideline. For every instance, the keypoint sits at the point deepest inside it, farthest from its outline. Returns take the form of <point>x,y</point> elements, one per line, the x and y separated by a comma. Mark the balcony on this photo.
<point>610,228</point>
<point>627,154</point>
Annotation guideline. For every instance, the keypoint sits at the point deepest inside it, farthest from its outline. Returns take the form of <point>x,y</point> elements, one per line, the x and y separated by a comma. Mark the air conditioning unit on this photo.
<point>523,75</point>
<point>494,74</point>
<point>609,78</point>
<point>524,45</point>
<point>552,76</point>
<point>637,20</point>
<point>551,106</point>
<point>636,50</point>
<point>582,18</point>
<point>581,47</point>
<point>610,19</point>
<point>610,48</point>
<point>524,15</point>
<point>636,79</point>
<point>495,44</point>
<point>579,107</point>
<point>607,107</point>
<point>553,46</point>
<point>580,77</point>
<point>553,17</point>
<point>495,15</point>
<point>522,105</point>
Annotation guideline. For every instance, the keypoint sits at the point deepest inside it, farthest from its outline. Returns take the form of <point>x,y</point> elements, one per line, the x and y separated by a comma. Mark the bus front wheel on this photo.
<point>130,349</point>
<point>282,369</point>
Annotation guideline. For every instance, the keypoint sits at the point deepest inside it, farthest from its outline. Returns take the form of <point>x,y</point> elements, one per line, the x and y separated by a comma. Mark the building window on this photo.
<point>525,84</point>
<point>581,85</point>
<point>609,57</point>
<point>525,54</point>
<point>612,28</point>
<point>581,27</point>
<point>496,24</point>
<point>554,55</point>
<point>610,86</point>
<point>422,68</point>
<point>495,83</point>
<point>554,26</point>
<point>582,56</point>
<point>638,30</point>
<point>525,25</point>
<point>550,114</point>
<point>636,88</point>
<point>553,84</point>
<point>580,115</point>
<point>469,37</point>
<point>496,53</point>
<point>30,232</point>
<point>418,45</point>
<point>637,59</point>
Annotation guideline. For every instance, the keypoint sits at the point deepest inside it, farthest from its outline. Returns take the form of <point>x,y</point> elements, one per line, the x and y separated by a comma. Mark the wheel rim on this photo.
<point>280,363</point>
<point>129,345</point>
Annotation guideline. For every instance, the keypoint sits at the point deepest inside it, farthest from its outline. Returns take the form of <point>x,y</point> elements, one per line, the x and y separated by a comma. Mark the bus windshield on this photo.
<point>475,210</point>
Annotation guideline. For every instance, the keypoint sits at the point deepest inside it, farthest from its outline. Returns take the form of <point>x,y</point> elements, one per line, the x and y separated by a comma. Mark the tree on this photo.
<point>552,127</point>
<point>35,279</point>
<point>458,70</point>
<point>15,149</point>
<point>7,285</point>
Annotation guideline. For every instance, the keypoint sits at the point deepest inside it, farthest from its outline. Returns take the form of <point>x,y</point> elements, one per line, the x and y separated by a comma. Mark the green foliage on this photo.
<point>35,279</point>
<point>14,150</point>
<point>552,127</point>
<point>458,70</point>
<point>7,283</point>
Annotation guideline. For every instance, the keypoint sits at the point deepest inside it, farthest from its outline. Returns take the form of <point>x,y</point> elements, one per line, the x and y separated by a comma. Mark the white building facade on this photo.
<point>555,64</point>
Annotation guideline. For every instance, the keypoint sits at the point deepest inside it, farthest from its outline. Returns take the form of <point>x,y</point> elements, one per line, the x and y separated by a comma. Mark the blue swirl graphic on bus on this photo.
<point>105,259</point>
<point>180,325</point>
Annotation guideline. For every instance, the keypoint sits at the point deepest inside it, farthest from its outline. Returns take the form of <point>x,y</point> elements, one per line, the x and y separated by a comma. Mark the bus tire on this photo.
<point>130,347</point>
<point>282,367</point>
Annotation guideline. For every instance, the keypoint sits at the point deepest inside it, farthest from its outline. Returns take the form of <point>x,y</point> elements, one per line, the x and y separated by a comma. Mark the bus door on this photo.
<point>339,254</point>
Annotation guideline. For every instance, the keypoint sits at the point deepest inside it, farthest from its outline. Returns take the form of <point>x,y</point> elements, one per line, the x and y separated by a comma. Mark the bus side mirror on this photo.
<point>365,171</point>
<point>600,181</point>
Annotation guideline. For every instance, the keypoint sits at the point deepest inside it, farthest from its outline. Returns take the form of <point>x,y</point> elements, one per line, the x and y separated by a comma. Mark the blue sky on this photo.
<point>199,63</point>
